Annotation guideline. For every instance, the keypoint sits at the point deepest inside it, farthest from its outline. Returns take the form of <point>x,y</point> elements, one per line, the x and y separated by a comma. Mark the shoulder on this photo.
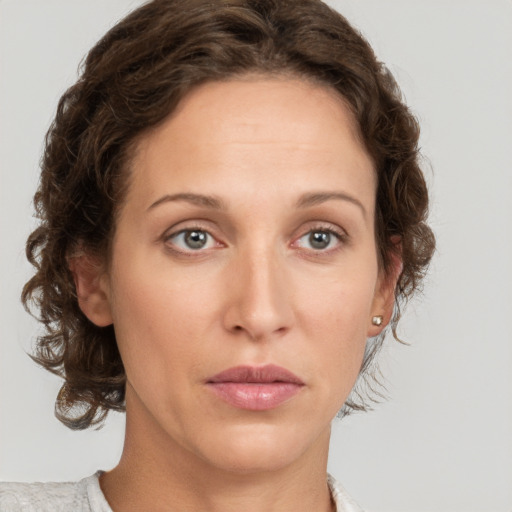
<point>18,497</point>
<point>344,503</point>
<point>82,496</point>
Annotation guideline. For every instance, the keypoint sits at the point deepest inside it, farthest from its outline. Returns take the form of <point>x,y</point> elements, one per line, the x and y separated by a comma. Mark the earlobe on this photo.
<point>384,300</point>
<point>91,289</point>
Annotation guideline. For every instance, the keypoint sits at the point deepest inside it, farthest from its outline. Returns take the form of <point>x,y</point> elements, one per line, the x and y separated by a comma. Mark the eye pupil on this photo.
<point>195,239</point>
<point>319,239</point>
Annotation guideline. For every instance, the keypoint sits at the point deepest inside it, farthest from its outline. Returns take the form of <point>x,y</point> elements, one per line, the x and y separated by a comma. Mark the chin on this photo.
<point>259,449</point>
<point>255,459</point>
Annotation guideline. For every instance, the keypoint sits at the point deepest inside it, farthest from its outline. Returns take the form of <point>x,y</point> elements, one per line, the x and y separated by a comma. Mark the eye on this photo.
<point>319,239</point>
<point>192,240</point>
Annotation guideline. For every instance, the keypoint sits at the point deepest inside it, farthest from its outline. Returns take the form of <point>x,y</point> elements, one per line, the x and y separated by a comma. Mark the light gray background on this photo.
<point>443,443</point>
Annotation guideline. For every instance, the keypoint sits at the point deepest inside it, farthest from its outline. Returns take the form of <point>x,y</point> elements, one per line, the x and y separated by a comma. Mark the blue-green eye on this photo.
<point>319,240</point>
<point>192,240</point>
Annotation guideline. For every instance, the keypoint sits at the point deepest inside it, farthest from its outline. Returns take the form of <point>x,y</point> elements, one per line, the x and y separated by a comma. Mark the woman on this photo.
<point>231,213</point>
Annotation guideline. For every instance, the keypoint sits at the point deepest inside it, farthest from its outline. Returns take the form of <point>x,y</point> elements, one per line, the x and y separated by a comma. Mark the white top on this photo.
<point>86,496</point>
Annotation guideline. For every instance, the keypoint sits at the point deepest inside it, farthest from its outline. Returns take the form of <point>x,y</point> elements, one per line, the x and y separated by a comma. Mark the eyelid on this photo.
<point>184,227</point>
<point>198,225</point>
<point>320,225</point>
<point>189,225</point>
<point>326,227</point>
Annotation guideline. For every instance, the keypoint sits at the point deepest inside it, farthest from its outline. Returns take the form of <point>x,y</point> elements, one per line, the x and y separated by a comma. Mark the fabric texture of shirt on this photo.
<point>86,496</point>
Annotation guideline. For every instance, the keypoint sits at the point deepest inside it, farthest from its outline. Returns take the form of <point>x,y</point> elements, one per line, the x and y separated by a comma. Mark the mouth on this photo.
<point>255,388</point>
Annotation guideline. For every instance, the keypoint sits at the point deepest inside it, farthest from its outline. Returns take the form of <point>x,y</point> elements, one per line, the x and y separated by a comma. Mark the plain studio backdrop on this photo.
<point>443,441</point>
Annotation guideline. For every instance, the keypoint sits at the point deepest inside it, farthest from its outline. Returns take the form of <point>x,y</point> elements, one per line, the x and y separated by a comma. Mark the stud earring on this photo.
<point>377,320</point>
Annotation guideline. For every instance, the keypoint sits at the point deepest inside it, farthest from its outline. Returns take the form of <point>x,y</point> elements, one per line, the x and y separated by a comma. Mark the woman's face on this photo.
<point>244,274</point>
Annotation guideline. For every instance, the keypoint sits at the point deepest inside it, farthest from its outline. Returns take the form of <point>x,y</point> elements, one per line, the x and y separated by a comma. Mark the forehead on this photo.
<point>257,103</point>
<point>258,128</point>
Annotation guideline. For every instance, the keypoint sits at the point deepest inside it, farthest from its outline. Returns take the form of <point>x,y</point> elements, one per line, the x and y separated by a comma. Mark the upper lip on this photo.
<point>257,375</point>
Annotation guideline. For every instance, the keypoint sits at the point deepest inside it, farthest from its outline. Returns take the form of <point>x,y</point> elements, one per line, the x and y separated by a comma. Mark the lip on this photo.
<point>255,388</point>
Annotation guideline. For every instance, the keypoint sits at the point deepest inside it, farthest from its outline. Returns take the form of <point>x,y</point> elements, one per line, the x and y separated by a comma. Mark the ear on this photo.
<point>384,298</point>
<point>92,288</point>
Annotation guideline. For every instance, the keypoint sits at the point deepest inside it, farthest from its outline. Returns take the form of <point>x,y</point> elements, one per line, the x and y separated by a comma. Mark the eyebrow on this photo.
<point>306,200</point>
<point>197,199</point>
<point>314,198</point>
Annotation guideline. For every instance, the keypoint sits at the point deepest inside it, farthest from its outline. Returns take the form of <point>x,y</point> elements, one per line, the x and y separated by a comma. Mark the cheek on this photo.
<point>335,318</point>
<point>340,302</point>
<point>160,312</point>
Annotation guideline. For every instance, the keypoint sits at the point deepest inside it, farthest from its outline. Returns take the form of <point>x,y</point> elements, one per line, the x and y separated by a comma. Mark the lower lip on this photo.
<point>257,396</point>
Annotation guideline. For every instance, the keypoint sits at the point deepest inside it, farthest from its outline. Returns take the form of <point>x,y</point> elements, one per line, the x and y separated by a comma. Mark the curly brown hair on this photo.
<point>131,80</point>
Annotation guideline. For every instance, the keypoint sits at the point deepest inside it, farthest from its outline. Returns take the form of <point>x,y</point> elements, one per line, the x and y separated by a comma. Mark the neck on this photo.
<point>157,473</point>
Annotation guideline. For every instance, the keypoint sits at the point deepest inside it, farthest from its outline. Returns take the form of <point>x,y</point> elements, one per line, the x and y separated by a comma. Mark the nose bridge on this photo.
<point>260,305</point>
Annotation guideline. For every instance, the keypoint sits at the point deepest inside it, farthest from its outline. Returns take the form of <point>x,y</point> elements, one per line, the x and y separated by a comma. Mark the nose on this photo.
<point>259,297</point>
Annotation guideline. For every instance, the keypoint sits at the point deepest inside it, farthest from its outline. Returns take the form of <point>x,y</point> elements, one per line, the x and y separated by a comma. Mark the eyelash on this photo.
<point>190,252</point>
<point>340,235</point>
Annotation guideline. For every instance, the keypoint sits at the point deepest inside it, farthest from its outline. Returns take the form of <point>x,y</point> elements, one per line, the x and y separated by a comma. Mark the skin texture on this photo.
<point>257,292</point>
